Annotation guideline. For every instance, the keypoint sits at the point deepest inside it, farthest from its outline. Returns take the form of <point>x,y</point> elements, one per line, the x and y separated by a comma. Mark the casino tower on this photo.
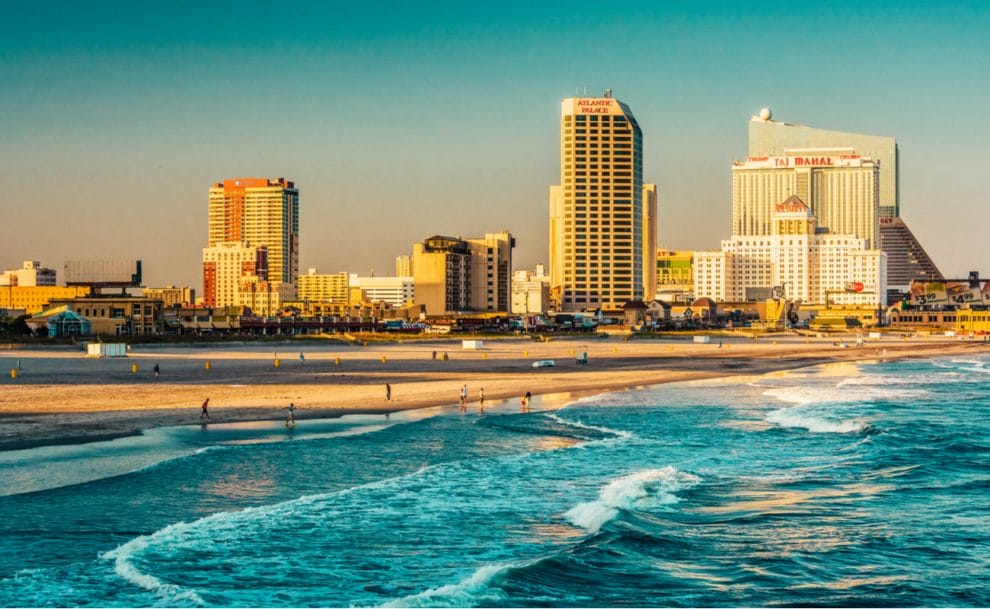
<point>602,216</point>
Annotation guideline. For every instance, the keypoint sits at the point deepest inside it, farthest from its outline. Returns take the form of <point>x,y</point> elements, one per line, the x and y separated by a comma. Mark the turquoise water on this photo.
<point>840,485</point>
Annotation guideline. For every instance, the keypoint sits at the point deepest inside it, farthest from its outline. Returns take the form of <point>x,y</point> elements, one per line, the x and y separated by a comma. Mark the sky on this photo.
<point>401,120</point>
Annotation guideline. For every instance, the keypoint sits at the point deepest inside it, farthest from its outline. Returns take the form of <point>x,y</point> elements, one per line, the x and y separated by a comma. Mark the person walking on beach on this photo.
<point>157,371</point>
<point>481,399</point>
<point>290,421</point>
<point>302,359</point>
<point>525,401</point>
<point>463,398</point>
<point>206,413</point>
<point>388,392</point>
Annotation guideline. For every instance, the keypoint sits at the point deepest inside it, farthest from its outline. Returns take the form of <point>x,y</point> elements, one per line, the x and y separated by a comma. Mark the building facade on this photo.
<point>397,291</point>
<point>841,190</point>
<point>650,236</point>
<point>172,296</point>
<point>597,217</point>
<point>35,299</point>
<point>31,274</point>
<point>403,266</point>
<point>117,315</point>
<point>530,292</point>
<point>906,258</point>
<point>798,261</point>
<point>314,287</point>
<point>675,274</point>
<point>454,275</point>
<point>771,138</point>
<point>225,265</point>
<point>259,212</point>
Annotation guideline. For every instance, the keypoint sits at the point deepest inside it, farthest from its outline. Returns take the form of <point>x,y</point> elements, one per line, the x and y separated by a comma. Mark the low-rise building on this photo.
<point>31,274</point>
<point>397,291</point>
<point>172,296</point>
<point>316,287</point>
<point>117,315</point>
<point>35,299</point>
<point>530,292</point>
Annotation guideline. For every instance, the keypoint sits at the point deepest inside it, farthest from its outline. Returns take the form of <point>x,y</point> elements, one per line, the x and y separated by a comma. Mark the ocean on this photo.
<point>840,485</point>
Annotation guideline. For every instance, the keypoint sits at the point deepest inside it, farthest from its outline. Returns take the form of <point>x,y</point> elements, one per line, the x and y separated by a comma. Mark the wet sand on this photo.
<point>61,396</point>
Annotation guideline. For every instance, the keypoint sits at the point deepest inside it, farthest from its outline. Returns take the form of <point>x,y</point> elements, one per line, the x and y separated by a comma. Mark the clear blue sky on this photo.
<point>402,120</point>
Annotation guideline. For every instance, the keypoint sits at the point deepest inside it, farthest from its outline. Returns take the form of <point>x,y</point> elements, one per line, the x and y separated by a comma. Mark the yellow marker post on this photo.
<point>13,373</point>
<point>525,353</point>
<point>208,365</point>
<point>134,367</point>
<point>336,361</point>
<point>614,350</point>
<point>384,359</point>
<point>484,356</point>
<point>278,362</point>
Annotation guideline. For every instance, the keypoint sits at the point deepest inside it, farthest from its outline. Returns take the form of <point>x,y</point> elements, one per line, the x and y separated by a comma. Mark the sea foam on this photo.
<point>798,417</point>
<point>640,490</point>
<point>464,593</point>
<point>124,567</point>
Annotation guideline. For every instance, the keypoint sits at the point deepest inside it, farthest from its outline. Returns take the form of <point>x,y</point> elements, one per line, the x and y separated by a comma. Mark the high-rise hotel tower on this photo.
<point>256,219</point>
<point>906,258</point>
<point>602,216</point>
<point>259,212</point>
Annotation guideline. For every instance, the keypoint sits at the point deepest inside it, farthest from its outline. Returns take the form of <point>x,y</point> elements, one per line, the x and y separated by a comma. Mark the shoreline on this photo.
<point>76,400</point>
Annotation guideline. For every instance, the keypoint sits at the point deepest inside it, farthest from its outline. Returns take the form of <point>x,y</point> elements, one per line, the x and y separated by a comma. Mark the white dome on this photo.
<point>765,114</point>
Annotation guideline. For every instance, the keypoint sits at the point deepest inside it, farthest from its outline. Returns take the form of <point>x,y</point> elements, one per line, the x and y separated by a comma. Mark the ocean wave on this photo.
<point>219,526</point>
<point>855,392</point>
<point>465,593</point>
<point>640,490</point>
<point>124,567</point>
<point>798,417</point>
<point>172,460</point>
<point>615,433</point>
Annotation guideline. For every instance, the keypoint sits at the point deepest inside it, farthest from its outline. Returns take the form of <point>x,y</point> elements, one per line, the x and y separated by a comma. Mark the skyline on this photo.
<point>398,128</point>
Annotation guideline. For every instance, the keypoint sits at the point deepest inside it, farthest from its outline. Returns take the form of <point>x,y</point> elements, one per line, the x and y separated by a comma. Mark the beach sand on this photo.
<point>61,396</point>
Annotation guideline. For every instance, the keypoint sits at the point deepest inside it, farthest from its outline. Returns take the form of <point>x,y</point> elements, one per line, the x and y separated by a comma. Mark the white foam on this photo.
<point>462,594</point>
<point>126,569</point>
<point>615,432</point>
<point>796,417</point>
<point>848,390</point>
<point>640,490</point>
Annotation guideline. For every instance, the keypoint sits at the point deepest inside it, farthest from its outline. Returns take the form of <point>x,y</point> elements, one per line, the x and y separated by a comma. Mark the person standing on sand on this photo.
<point>525,401</point>
<point>463,398</point>
<point>205,413</point>
<point>388,392</point>
<point>157,371</point>
<point>481,399</point>
<point>291,420</point>
<point>302,359</point>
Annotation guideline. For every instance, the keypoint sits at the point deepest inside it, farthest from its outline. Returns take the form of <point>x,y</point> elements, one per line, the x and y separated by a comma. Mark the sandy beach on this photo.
<point>61,396</point>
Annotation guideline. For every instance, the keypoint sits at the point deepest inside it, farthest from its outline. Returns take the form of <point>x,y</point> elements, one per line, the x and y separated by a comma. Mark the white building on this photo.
<point>31,274</point>
<point>530,291</point>
<point>803,261</point>
<point>840,187</point>
<point>397,291</point>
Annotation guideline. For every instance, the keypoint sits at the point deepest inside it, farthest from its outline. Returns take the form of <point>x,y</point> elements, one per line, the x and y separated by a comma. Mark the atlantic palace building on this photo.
<point>602,217</point>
